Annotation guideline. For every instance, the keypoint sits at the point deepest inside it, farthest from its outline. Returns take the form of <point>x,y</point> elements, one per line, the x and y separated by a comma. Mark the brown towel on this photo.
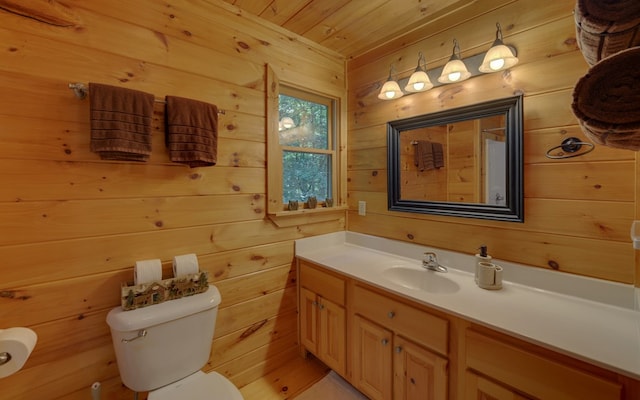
<point>120,122</point>
<point>607,101</point>
<point>192,131</point>
<point>438,155</point>
<point>423,155</point>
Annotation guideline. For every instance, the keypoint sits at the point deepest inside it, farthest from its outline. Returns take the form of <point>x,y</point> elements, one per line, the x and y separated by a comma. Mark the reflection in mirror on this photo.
<point>473,152</point>
<point>459,162</point>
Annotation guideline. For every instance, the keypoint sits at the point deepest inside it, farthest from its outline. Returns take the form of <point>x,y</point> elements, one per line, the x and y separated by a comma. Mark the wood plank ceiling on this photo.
<point>350,27</point>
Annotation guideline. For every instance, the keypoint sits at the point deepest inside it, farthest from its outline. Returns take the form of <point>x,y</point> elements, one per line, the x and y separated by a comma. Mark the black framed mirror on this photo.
<point>464,162</point>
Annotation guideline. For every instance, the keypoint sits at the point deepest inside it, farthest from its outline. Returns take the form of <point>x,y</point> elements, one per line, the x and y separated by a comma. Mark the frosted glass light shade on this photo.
<point>498,58</point>
<point>454,71</point>
<point>287,123</point>
<point>390,90</point>
<point>418,82</point>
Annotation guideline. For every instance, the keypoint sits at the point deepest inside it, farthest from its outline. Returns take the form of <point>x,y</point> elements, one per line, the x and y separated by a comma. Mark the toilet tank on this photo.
<point>160,344</point>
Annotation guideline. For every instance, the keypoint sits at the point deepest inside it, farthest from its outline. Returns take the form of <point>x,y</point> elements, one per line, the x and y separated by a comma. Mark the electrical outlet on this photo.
<point>362,208</point>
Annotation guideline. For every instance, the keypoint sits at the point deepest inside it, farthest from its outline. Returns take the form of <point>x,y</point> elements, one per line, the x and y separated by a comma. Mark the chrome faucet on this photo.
<point>430,262</point>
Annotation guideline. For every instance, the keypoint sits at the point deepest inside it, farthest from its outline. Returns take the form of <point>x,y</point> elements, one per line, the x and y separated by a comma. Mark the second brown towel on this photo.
<point>191,131</point>
<point>120,122</point>
<point>438,154</point>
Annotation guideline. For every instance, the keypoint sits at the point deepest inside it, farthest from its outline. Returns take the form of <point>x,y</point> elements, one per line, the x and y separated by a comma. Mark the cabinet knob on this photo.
<point>385,342</point>
<point>398,349</point>
<point>391,314</point>
<point>321,306</point>
<point>315,303</point>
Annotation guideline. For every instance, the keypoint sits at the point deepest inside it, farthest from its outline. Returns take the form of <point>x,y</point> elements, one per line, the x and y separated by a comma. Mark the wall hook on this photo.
<point>80,89</point>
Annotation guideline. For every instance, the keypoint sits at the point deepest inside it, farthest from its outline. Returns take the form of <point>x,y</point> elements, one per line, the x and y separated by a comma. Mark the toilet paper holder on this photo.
<point>16,345</point>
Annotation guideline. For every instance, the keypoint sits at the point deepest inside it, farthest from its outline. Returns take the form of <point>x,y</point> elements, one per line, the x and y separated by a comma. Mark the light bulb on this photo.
<point>497,64</point>
<point>454,76</point>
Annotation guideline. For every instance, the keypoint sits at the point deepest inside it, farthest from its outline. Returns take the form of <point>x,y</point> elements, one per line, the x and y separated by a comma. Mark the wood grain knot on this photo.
<point>253,329</point>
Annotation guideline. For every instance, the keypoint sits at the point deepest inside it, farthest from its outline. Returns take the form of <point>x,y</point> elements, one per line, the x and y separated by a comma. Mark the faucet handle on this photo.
<point>430,256</point>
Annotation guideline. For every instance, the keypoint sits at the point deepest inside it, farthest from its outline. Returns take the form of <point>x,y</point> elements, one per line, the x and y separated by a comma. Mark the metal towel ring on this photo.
<point>570,145</point>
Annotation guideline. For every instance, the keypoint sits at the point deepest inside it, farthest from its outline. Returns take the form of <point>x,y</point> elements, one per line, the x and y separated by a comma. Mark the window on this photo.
<point>306,139</point>
<point>305,151</point>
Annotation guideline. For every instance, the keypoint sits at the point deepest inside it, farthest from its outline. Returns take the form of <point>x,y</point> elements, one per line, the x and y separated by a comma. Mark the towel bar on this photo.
<point>569,148</point>
<point>81,90</point>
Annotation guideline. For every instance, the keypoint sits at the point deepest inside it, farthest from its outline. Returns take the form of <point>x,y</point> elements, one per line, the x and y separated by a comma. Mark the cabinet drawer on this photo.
<point>420,326</point>
<point>524,371</point>
<point>323,283</point>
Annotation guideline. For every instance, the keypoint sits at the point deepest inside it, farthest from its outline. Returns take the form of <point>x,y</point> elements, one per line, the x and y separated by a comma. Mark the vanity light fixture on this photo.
<point>390,89</point>
<point>286,123</point>
<point>419,80</point>
<point>455,70</point>
<point>499,56</point>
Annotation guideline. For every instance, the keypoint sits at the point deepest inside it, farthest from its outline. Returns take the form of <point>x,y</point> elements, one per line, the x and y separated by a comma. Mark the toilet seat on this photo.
<point>198,386</point>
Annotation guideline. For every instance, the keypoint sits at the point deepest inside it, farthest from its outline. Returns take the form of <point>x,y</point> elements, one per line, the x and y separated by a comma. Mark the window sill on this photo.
<point>307,215</point>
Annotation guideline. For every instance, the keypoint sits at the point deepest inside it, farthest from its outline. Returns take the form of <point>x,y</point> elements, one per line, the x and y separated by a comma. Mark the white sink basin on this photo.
<point>420,279</point>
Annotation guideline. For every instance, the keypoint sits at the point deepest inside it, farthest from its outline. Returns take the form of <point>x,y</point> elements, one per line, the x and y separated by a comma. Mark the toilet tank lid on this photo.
<point>141,318</point>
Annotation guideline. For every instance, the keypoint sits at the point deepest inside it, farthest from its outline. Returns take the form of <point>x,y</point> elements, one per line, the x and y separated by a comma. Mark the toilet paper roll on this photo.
<point>147,271</point>
<point>16,344</point>
<point>185,264</point>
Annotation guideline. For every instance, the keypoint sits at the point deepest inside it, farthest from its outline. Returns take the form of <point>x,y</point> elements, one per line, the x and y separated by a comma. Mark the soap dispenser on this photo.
<point>481,257</point>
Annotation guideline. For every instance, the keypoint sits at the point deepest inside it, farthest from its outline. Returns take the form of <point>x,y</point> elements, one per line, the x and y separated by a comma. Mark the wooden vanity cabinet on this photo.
<point>504,368</point>
<point>394,349</point>
<point>322,316</point>
<point>401,350</point>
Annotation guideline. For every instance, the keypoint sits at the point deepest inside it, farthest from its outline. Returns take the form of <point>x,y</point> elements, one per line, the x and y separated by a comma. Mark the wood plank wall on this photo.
<point>578,211</point>
<point>72,225</point>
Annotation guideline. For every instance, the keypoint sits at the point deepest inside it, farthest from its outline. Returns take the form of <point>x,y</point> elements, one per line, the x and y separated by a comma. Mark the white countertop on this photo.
<point>590,319</point>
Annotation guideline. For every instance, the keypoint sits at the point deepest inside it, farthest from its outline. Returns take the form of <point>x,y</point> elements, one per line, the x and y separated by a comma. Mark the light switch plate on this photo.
<point>362,208</point>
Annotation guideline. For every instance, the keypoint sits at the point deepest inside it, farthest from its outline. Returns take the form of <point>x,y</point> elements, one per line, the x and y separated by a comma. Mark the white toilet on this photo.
<point>161,349</point>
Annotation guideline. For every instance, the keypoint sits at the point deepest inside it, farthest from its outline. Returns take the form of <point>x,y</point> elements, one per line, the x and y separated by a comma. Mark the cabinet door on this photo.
<point>418,373</point>
<point>517,367</point>
<point>332,336</point>
<point>372,359</point>
<point>308,320</point>
<point>479,388</point>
